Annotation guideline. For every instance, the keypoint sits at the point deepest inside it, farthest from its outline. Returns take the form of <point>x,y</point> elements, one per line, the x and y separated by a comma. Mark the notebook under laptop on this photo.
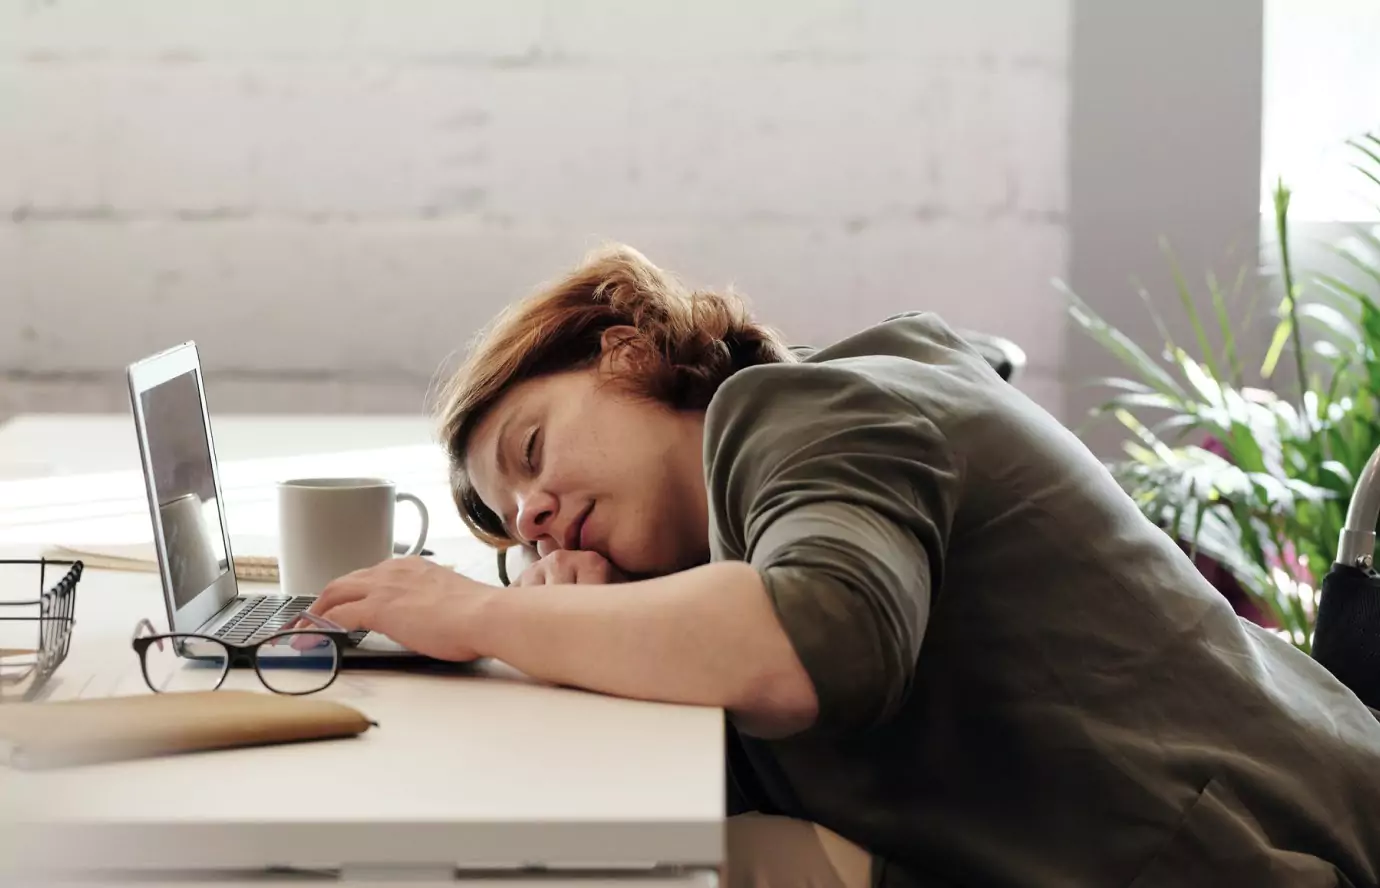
<point>187,507</point>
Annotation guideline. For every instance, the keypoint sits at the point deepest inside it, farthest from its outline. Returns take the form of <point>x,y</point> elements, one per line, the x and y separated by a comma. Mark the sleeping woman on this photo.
<point>951,649</point>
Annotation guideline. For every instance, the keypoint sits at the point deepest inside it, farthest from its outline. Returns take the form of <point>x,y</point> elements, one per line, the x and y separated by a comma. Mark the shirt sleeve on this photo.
<point>841,494</point>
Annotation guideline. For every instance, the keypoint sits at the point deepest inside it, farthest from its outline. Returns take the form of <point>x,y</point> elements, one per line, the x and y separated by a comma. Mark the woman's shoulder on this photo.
<point>919,335</point>
<point>913,361</point>
<point>843,425</point>
<point>891,393</point>
<point>909,390</point>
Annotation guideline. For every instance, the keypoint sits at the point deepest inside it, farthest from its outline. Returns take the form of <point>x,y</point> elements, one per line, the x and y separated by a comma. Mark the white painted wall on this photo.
<point>1321,89</point>
<point>1164,143</point>
<point>333,195</point>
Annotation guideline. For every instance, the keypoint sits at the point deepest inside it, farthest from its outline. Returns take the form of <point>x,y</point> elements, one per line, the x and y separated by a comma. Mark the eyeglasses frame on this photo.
<point>240,654</point>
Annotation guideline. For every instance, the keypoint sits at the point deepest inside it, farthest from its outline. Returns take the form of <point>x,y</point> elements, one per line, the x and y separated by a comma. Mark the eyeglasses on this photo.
<point>294,661</point>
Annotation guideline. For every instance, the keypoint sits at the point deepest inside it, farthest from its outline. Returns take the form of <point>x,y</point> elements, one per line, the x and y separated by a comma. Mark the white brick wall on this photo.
<point>337,193</point>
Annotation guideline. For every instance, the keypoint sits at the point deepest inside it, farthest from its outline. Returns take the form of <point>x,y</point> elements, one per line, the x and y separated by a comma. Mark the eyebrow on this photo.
<point>505,467</point>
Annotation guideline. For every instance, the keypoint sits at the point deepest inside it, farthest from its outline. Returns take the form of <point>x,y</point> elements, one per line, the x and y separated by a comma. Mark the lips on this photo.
<point>575,534</point>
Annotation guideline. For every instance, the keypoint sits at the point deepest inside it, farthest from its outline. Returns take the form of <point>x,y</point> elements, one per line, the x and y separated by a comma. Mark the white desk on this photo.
<point>477,770</point>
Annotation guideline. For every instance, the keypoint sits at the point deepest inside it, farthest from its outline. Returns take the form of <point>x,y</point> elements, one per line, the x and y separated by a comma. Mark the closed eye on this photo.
<point>529,449</point>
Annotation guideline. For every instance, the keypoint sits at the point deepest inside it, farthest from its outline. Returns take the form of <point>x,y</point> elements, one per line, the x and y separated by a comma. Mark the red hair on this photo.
<point>684,345</point>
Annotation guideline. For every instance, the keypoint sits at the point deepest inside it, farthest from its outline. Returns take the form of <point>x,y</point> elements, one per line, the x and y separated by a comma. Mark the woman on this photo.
<point>951,648</point>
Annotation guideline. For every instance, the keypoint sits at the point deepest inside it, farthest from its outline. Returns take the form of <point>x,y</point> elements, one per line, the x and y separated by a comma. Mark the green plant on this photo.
<point>1258,480</point>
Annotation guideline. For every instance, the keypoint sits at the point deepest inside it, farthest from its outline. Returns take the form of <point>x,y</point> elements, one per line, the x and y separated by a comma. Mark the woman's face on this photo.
<point>571,461</point>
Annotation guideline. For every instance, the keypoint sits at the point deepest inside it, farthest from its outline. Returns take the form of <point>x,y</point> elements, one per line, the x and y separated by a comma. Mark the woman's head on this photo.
<point>576,420</point>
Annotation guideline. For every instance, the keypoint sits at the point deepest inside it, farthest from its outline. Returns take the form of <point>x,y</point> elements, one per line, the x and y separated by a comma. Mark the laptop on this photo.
<point>187,507</point>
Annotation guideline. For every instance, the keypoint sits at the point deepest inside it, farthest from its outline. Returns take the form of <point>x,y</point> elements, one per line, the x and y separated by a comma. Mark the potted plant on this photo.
<point>1257,480</point>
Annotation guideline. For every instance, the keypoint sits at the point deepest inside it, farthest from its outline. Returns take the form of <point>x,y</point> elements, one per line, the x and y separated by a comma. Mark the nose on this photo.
<point>536,515</point>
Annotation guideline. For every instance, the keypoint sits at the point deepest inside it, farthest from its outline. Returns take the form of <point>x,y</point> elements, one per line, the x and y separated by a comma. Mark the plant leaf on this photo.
<point>1202,381</point>
<point>1120,345</point>
<point>1367,173</point>
<point>1360,146</point>
<point>1349,253</point>
<point>1229,355</point>
<point>1150,400</point>
<point>1331,320</point>
<point>1191,309</point>
<point>1277,343</point>
<point>1119,383</point>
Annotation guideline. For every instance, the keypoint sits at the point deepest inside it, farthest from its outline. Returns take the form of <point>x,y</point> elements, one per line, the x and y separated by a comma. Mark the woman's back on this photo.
<point>1021,679</point>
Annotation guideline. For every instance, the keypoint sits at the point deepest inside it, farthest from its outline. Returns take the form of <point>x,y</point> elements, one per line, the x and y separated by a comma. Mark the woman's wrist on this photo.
<point>481,615</point>
<point>707,636</point>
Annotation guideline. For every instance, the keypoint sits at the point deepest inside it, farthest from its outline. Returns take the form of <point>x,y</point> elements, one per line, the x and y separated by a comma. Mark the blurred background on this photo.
<point>332,196</point>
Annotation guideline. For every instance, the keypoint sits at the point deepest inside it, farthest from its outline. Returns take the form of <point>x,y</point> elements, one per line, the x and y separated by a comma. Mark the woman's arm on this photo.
<point>706,636</point>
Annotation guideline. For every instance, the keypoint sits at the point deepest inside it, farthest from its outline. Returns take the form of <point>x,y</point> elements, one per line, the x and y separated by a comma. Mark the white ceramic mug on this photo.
<point>328,527</point>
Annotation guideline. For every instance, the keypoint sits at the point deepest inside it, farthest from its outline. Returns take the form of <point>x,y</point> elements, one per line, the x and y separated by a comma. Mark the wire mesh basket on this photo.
<point>35,633</point>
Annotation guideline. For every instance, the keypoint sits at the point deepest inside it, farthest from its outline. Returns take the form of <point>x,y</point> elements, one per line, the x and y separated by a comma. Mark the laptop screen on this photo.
<point>184,486</point>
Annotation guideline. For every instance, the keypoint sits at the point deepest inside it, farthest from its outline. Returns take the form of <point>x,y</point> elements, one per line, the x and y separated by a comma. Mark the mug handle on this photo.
<point>421,511</point>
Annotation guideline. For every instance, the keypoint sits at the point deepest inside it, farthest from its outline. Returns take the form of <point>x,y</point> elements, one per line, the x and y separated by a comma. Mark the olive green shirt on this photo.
<point>1021,680</point>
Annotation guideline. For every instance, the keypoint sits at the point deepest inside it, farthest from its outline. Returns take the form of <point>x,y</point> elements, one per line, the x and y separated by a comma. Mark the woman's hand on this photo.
<point>570,567</point>
<point>421,605</point>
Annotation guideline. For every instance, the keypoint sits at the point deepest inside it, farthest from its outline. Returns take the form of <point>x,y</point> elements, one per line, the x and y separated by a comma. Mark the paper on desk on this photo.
<point>141,557</point>
<point>255,557</point>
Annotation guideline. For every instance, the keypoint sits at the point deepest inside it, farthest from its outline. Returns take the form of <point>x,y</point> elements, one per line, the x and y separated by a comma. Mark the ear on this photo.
<point>613,347</point>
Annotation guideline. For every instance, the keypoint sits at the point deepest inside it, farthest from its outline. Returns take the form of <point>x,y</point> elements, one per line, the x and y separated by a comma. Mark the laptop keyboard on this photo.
<point>262,615</point>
